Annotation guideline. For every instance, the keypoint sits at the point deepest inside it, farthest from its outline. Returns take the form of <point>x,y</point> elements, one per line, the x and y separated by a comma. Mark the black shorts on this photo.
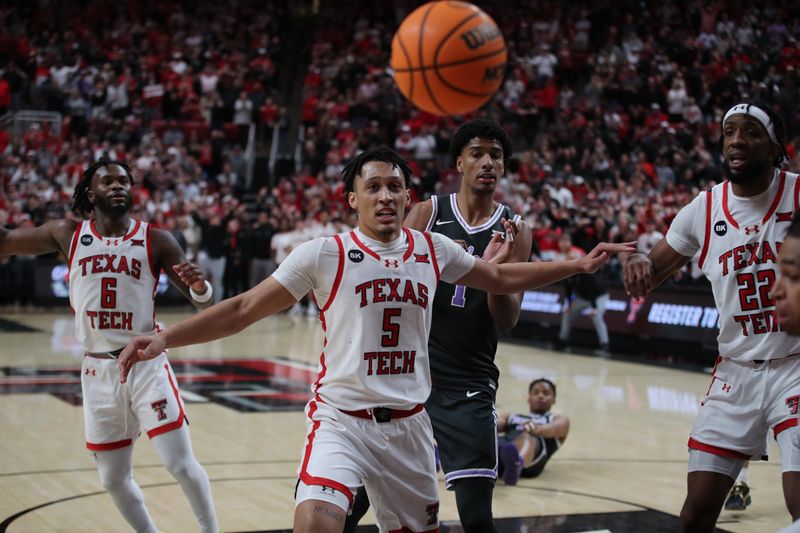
<point>465,429</point>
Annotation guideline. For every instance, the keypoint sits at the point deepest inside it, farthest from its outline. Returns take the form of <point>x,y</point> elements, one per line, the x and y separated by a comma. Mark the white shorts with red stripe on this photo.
<point>394,460</point>
<point>744,401</point>
<point>115,412</point>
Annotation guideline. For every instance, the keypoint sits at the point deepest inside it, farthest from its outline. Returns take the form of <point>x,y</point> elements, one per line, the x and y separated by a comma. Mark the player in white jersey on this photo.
<point>366,423</point>
<point>114,262</point>
<point>738,227</point>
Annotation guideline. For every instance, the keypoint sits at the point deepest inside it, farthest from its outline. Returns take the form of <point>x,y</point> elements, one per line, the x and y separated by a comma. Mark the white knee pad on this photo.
<point>700,461</point>
<point>789,443</point>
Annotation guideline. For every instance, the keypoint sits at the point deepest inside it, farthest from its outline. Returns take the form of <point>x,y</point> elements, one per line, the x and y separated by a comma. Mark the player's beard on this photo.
<point>113,209</point>
<point>747,173</point>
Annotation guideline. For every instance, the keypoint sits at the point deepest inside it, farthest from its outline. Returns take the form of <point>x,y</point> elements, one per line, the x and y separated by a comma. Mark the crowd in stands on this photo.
<point>613,107</point>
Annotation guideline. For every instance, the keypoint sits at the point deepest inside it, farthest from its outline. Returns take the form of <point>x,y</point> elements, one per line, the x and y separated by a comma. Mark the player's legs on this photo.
<point>116,475</point>
<point>159,410</point>
<point>175,450</point>
<point>710,478</point>
<point>318,516</point>
<point>360,508</point>
<point>599,320</point>
<point>575,309</point>
<point>789,443</point>
<point>529,448</point>
<point>474,503</point>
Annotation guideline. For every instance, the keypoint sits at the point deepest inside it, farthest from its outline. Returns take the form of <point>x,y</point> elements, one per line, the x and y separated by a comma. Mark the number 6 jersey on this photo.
<point>376,304</point>
<point>738,240</point>
<point>112,283</point>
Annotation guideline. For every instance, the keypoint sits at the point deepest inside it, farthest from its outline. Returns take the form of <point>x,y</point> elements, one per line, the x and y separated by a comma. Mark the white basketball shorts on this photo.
<point>394,460</point>
<point>743,403</point>
<point>115,412</point>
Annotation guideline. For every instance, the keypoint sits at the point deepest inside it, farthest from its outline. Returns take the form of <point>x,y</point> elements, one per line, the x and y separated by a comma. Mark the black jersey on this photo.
<point>463,338</point>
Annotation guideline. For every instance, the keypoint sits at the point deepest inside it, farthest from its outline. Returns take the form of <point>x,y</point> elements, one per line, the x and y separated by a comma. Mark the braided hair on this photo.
<point>80,198</point>
<point>782,158</point>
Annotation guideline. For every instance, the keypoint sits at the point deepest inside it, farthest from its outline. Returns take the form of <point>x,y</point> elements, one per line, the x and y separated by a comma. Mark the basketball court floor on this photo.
<point>622,469</point>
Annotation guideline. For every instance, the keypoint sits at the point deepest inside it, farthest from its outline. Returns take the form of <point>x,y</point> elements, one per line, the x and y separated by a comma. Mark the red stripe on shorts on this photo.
<point>307,478</point>
<point>783,426</point>
<point>722,452</point>
<point>107,446</point>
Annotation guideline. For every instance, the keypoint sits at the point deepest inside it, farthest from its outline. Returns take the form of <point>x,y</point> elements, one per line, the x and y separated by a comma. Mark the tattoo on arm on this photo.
<point>329,512</point>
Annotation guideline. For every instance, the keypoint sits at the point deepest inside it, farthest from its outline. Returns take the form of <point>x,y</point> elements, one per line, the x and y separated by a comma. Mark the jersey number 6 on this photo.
<point>108,293</point>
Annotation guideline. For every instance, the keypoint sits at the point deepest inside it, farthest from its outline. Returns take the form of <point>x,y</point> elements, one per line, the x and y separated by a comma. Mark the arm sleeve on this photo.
<point>299,272</point>
<point>685,233</point>
<point>454,261</point>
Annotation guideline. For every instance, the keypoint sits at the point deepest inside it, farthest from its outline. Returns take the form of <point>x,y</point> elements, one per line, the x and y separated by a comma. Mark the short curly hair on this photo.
<point>483,129</point>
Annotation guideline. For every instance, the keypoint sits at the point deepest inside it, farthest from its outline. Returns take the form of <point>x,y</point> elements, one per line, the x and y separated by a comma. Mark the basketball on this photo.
<point>448,58</point>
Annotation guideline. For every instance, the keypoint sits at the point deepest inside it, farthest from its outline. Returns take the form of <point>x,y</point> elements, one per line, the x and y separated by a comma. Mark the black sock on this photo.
<point>474,501</point>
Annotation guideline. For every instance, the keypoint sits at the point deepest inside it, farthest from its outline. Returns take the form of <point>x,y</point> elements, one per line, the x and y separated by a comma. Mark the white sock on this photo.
<point>742,477</point>
<point>175,450</point>
<point>116,475</point>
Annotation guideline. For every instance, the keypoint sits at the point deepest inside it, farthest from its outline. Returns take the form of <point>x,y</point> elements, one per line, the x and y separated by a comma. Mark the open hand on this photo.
<point>602,252</point>
<point>501,247</point>
<point>139,349</point>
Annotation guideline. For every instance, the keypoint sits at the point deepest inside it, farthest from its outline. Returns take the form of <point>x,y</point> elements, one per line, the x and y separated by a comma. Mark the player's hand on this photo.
<point>530,428</point>
<point>601,253</point>
<point>638,275</point>
<point>499,248</point>
<point>191,275</point>
<point>139,349</point>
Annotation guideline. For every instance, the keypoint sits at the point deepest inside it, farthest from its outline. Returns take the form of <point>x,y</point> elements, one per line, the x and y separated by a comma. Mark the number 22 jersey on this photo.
<point>738,240</point>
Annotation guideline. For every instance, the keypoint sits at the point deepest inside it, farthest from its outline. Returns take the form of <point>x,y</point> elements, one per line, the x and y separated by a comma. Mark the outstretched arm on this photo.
<point>53,236</point>
<point>643,273</point>
<point>182,273</point>
<point>221,320</point>
<point>514,277</point>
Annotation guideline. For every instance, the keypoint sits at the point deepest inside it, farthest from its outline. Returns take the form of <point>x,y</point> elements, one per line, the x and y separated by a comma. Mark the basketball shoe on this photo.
<point>739,497</point>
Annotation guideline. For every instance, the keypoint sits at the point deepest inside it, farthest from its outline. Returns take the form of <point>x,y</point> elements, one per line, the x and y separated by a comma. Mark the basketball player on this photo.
<point>466,322</point>
<point>114,264</point>
<point>738,227</point>
<point>375,286</point>
<point>530,440</point>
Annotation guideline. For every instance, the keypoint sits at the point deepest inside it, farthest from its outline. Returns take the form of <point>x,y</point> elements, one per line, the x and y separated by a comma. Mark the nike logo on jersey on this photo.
<point>443,222</point>
<point>470,394</point>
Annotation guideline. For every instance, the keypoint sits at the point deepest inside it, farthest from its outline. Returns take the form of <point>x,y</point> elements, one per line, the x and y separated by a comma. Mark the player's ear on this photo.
<point>90,195</point>
<point>459,165</point>
<point>351,200</point>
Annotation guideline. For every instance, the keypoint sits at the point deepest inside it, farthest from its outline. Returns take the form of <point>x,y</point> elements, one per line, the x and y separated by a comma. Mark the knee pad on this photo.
<point>700,461</point>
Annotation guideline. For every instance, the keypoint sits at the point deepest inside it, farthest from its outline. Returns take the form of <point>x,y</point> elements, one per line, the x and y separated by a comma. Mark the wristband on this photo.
<point>201,298</point>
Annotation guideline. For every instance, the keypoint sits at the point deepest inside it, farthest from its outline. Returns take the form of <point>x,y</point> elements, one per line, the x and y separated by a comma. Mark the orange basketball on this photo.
<point>448,58</point>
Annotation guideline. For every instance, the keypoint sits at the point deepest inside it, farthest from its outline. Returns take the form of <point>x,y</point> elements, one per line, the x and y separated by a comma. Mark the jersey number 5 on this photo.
<point>391,335</point>
<point>108,293</point>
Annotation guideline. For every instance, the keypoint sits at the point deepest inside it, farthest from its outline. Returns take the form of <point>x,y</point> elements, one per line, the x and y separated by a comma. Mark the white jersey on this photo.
<point>376,306</point>
<point>112,283</point>
<point>739,240</point>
